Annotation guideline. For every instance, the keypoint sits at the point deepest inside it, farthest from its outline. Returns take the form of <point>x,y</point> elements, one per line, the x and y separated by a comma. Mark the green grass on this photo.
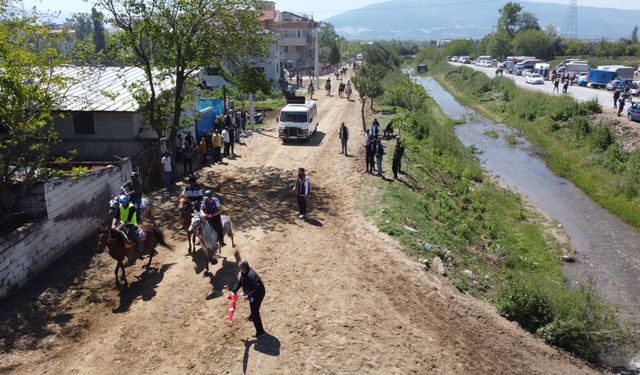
<point>572,146</point>
<point>493,246</point>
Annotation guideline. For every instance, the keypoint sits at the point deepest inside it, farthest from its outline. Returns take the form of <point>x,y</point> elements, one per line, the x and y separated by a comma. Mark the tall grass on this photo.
<point>494,247</point>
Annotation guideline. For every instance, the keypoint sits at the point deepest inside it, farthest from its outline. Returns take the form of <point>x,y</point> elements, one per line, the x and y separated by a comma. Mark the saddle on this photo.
<point>132,235</point>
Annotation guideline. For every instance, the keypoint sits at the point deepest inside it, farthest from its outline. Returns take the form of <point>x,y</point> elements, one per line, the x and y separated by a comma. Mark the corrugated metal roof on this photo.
<point>105,89</point>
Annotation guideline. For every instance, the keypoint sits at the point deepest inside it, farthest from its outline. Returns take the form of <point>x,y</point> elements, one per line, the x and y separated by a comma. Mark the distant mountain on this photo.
<point>440,19</point>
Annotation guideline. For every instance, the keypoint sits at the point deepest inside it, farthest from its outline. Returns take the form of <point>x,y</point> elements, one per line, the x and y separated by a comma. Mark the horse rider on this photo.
<point>194,192</point>
<point>133,189</point>
<point>212,209</point>
<point>125,218</point>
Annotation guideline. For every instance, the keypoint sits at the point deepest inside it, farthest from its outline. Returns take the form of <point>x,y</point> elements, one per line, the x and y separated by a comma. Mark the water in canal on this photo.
<point>608,250</point>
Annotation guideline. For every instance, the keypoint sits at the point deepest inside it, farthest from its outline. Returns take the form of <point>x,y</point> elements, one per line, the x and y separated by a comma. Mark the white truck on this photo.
<point>298,121</point>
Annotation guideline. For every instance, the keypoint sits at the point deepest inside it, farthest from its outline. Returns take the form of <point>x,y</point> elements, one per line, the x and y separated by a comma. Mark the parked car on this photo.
<point>534,79</point>
<point>633,113</point>
<point>455,58</point>
<point>465,60</point>
<point>634,88</point>
<point>582,79</point>
<point>618,84</point>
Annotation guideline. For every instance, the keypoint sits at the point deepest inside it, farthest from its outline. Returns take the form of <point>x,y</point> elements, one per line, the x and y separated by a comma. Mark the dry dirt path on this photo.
<point>342,298</point>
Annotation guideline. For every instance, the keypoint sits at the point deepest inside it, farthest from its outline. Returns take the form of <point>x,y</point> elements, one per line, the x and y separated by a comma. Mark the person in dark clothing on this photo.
<point>616,96</point>
<point>232,138</point>
<point>344,138</point>
<point>371,153</point>
<point>397,157</point>
<point>187,157</point>
<point>253,290</point>
<point>301,188</point>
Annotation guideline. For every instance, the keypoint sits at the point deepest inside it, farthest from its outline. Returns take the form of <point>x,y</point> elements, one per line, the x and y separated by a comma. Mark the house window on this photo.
<point>298,33</point>
<point>83,123</point>
<point>286,49</point>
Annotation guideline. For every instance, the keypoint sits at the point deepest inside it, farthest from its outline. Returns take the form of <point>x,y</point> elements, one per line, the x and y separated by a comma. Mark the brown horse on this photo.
<point>119,247</point>
<point>185,205</point>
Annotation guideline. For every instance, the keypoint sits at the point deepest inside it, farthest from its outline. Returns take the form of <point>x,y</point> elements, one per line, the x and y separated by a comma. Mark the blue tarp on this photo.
<point>212,108</point>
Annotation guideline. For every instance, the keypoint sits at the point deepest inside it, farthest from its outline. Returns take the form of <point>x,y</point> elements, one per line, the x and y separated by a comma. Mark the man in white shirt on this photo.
<point>166,167</point>
<point>226,141</point>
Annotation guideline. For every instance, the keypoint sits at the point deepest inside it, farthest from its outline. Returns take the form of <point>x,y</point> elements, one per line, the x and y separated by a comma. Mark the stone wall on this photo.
<point>74,211</point>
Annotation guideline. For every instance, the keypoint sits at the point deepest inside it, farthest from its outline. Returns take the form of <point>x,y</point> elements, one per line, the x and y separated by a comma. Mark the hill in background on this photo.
<point>438,19</point>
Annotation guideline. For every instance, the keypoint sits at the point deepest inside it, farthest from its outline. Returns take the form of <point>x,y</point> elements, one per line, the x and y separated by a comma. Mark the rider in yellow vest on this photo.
<point>127,218</point>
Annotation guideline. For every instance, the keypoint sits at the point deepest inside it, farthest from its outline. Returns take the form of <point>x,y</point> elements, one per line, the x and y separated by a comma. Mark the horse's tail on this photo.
<point>160,237</point>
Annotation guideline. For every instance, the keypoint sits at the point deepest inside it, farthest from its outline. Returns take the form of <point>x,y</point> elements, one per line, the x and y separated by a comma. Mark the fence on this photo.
<point>75,207</point>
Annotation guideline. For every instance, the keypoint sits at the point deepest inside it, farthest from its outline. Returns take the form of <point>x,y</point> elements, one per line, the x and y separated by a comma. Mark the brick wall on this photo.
<point>75,209</point>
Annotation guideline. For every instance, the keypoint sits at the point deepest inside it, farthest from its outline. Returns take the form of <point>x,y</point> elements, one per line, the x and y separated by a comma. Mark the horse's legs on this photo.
<point>150,258</point>
<point>230,234</point>
<point>116,272</point>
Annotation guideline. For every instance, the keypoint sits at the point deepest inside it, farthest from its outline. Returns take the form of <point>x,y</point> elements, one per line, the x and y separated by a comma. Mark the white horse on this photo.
<point>209,236</point>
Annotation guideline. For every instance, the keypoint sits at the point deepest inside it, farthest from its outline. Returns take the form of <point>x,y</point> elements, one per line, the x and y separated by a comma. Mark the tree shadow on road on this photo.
<point>144,287</point>
<point>262,197</point>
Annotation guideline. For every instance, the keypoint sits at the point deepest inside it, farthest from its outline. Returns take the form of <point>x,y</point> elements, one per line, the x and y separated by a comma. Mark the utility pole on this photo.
<point>571,21</point>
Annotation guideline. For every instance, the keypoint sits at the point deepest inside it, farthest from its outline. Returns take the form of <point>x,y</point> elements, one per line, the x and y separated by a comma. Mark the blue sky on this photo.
<point>321,9</point>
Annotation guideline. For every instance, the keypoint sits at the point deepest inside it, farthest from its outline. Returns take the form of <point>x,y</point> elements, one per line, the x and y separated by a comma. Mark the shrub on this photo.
<point>601,138</point>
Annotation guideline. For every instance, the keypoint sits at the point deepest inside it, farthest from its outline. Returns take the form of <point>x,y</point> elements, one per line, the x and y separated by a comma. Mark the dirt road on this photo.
<point>342,298</point>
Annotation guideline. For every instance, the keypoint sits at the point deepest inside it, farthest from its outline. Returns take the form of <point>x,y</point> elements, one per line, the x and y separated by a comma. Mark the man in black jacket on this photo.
<point>253,290</point>
<point>397,157</point>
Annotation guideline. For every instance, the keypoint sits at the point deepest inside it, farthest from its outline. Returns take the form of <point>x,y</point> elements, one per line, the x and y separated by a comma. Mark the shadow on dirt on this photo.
<point>267,344</point>
<point>225,277</point>
<point>260,197</point>
<point>143,288</point>
<point>44,306</point>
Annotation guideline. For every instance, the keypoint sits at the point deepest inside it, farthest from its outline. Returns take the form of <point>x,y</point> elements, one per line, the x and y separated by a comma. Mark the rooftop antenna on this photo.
<point>571,21</point>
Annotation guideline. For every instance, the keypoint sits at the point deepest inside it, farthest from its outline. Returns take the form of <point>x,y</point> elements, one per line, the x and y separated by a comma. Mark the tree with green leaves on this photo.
<point>528,21</point>
<point>329,44</point>
<point>509,18</point>
<point>460,47</point>
<point>532,43</point>
<point>634,35</point>
<point>29,91</point>
<point>249,81</point>
<point>98,30</point>
<point>367,82</point>
<point>80,23</point>
<point>177,38</point>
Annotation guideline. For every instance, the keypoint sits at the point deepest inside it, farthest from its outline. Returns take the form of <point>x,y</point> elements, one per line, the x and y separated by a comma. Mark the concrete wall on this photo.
<point>74,210</point>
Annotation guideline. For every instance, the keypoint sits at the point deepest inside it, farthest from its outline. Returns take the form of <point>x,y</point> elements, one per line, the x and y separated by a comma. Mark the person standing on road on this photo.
<point>379,156</point>
<point>187,157</point>
<point>565,86</point>
<point>301,188</point>
<point>616,96</point>
<point>344,137</point>
<point>252,290</point>
<point>202,147</point>
<point>232,138</point>
<point>216,142</point>
<point>397,157</point>
<point>166,167</point>
<point>371,153</point>
<point>375,128</point>
<point>556,84</point>
<point>225,141</point>
<point>621,103</point>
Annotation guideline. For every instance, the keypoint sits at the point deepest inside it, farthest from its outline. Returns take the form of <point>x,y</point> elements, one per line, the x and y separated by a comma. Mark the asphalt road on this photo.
<point>604,97</point>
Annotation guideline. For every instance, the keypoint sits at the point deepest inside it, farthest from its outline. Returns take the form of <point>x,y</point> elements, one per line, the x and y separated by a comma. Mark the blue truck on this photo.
<point>599,78</point>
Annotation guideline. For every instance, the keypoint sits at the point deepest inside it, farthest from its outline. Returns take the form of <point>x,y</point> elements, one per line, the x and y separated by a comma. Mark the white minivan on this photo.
<point>298,121</point>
